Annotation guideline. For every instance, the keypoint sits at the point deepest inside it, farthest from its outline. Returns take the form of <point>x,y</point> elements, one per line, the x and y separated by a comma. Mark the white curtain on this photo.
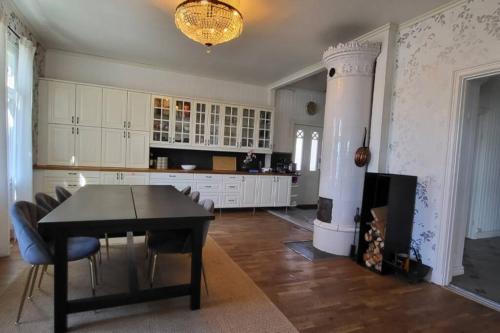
<point>4,198</point>
<point>20,143</point>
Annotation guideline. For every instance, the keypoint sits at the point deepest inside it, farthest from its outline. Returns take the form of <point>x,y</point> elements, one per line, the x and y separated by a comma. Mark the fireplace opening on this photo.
<point>325,210</point>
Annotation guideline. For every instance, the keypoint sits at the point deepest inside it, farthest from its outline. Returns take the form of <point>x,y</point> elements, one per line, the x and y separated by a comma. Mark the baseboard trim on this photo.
<point>457,270</point>
<point>485,234</point>
<point>473,297</point>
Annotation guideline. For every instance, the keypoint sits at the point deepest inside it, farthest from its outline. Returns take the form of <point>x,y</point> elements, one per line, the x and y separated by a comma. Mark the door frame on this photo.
<point>447,241</point>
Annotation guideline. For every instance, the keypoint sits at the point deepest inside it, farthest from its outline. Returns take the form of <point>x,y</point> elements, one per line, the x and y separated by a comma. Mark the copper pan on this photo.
<point>363,155</point>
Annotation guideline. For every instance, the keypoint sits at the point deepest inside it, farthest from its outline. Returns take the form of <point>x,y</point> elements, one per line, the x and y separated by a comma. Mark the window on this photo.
<point>299,145</point>
<point>313,162</point>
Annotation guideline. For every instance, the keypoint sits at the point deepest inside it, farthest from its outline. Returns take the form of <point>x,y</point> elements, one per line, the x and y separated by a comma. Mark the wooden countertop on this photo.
<point>88,168</point>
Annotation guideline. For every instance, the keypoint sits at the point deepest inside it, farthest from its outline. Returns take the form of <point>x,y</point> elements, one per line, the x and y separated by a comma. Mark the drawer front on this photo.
<point>171,176</point>
<point>231,200</point>
<point>233,187</point>
<point>208,187</point>
<point>232,178</point>
<point>72,174</point>
<point>215,197</point>
<point>207,177</point>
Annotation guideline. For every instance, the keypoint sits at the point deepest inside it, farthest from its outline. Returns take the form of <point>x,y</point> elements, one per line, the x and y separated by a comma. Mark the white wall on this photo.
<point>290,109</point>
<point>98,70</point>
<point>484,220</point>
<point>429,52</point>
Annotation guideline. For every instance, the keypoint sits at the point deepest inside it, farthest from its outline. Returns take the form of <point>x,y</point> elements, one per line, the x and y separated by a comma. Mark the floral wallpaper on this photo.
<point>428,52</point>
<point>15,23</point>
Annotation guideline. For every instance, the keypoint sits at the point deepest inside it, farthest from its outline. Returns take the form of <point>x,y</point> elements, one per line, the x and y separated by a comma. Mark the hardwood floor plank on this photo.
<point>338,295</point>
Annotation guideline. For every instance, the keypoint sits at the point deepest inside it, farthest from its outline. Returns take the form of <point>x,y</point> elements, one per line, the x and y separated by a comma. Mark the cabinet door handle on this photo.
<point>129,135</point>
<point>125,124</point>
<point>72,130</point>
<point>77,131</point>
<point>129,124</point>
<point>77,120</point>
<point>72,119</point>
<point>118,176</point>
<point>122,175</point>
<point>124,134</point>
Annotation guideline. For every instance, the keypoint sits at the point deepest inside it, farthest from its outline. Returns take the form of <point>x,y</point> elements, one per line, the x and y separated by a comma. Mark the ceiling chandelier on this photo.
<point>209,22</point>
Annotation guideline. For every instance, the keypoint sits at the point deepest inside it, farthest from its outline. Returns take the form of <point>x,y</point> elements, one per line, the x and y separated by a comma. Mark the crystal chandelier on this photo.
<point>209,22</point>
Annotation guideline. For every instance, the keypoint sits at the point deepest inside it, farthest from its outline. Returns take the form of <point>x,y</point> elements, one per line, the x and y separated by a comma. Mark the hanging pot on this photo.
<point>362,156</point>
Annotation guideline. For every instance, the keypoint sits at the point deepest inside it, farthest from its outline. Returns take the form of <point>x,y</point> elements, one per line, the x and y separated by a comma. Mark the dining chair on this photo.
<point>186,190</point>
<point>62,194</point>
<point>176,241</point>
<point>46,202</point>
<point>195,196</point>
<point>38,252</point>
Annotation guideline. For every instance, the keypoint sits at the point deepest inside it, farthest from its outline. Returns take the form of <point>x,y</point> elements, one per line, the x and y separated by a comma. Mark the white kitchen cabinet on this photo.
<point>114,147</point>
<point>46,180</point>
<point>250,191</point>
<point>282,189</point>
<point>200,124</point>
<point>110,178</point>
<point>137,155</point>
<point>247,130</point>
<point>60,145</point>
<point>135,178</point>
<point>72,145</point>
<point>266,187</point>
<point>230,127</point>
<point>215,197</point>
<point>114,108</point>
<point>88,105</point>
<point>61,102</point>
<point>214,125</point>
<point>178,180</point>
<point>162,121</point>
<point>182,122</point>
<point>265,131</point>
<point>88,146</point>
<point>138,112</point>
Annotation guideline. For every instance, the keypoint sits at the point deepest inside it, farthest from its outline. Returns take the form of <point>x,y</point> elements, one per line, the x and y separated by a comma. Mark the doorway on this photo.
<point>307,157</point>
<point>477,236</point>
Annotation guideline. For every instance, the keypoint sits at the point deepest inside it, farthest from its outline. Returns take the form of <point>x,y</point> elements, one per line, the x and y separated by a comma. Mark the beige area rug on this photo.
<point>234,303</point>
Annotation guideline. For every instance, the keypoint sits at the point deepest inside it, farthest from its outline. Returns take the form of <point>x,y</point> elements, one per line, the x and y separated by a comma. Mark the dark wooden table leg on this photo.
<point>196,262</point>
<point>60,282</point>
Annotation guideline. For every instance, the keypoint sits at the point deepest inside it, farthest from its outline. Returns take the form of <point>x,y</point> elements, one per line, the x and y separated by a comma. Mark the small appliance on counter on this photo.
<point>162,162</point>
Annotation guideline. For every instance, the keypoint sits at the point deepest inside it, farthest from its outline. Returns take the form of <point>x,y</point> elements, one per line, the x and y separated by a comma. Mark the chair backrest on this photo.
<point>62,194</point>
<point>209,205</point>
<point>46,201</point>
<point>195,196</point>
<point>33,248</point>
<point>186,190</point>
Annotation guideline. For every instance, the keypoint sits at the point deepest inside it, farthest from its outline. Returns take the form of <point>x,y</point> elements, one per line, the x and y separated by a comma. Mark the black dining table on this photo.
<point>97,209</point>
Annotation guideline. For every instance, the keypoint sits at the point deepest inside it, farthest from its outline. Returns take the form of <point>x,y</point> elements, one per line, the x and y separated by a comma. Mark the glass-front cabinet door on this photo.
<point>182,124</point>
<point>200,124</point>
<point>265,134</point>
<point>247,137</point>
<point>230,131</point>
<point>214,120</point>
<point>162,117</point>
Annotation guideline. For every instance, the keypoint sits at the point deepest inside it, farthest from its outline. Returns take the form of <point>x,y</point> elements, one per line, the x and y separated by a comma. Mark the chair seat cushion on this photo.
<point>82,247</point>
<point>171,241</point>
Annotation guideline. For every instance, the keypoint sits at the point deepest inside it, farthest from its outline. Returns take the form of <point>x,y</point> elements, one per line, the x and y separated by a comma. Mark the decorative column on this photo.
<point>349,90</point>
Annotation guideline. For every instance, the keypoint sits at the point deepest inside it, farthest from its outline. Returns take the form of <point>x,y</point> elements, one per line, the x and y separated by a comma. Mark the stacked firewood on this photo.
<point>375,237</point>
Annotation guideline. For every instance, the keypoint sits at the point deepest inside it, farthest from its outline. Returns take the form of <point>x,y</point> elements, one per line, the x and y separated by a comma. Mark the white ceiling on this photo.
<point>280,37</point>
<point>316,82</point>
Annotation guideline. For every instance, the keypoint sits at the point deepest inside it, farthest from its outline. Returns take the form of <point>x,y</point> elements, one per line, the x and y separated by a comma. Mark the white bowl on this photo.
<point>188,167</point>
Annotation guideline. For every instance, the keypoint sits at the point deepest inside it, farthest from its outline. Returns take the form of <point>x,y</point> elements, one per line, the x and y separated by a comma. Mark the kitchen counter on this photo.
<point>105,169</point>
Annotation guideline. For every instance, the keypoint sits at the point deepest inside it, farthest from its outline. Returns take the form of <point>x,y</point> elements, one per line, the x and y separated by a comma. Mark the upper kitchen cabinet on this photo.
<point>182,121</point>
<point>161,133</point>
<point>200,124</point>
<point>88,105</point>
<point>230,120</point>
<point>248,124</point>
<point>61,102</point>
<point>138,112</point>
<point>214,125</point>
<point>265,131</point>
<point>114,108</point>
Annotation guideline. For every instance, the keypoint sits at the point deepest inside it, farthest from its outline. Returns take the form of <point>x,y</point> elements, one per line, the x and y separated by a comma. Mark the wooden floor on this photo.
<point>338,295</point>
<point>328,296</point>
